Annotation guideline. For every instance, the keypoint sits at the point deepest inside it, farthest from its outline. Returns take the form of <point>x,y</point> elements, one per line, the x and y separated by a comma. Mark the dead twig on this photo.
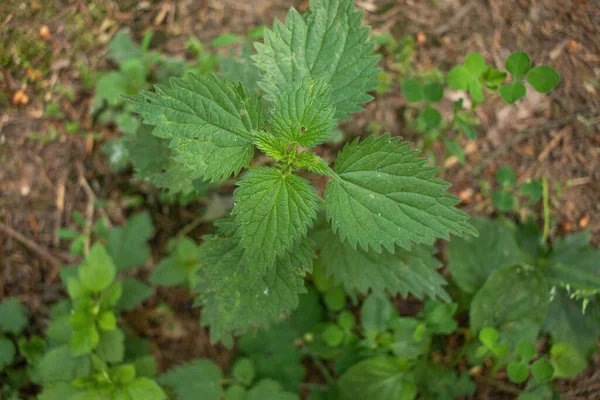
<point>31,245</point>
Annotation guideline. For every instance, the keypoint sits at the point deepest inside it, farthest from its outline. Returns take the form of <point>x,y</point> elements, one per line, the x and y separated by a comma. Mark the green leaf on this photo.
<point>123,373</point>
<point>241,68</point>
<point>346,320</point>
<point>454,149</point>
<point>7,352</point>
<point>243,371</point>
<point>273,212</point>
<point>137,231</point>
<point>303,113</point>
<point>489,337</point>
<point>275,355</point>
<point>532,188</point>
<point>334,48</point>
<point>518,64</point>
<point>402,272</point>
<point>107,320</point>
<point>412,90</point>
<point>439,317</point>
<point>566,360</point>
<point>505,176</point>
<point>433,92</point>
<point>511,92</point>
<point>378,378</point>
<point>313,163</point>
<point>335,299</point>
<point>542,370</point>
<point>32,349</point>
<point>476,91</point>
<point>493,77</point>
<point>84,338</point>
<point>526,350</point>
<point>411,339</point>
<point>58,391</point>
<point>309,312</point>
<point>225,39</point>
<point>375,313</point>
<point>518,372</point>
<point>272,146</point>
<point>135,292</point>
<point>431,117</point>
<point>524,305</point>
<point>475,64</point>
<point>188,381</point>
<point>384,195</point>
<point>146,389</point>
<point>543,79</point>
<point>503,200</point>
<point>333,335</point>
<point>467,128</point>
<point>12,316</point>
<point>207,121</point>
<point>268,389</point>
<point>236,392</point>
<point>574,262</point>
<point>98,271</point>
<point>567,323</point>
<point>122,48</point>
<point>472,260</point>
<point>111,346</point>
<point>235,298</point>
<point>459,78</point>
<point>145,366</point>
<point>71,367</point>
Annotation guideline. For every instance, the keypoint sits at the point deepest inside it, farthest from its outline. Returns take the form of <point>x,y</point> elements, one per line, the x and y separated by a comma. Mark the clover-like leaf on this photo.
<point>518,64</point>
<point>384,195</point>
<point>328,43</point>
<point>543,79</point>
<point>273,211</point>
<point>512,92</point>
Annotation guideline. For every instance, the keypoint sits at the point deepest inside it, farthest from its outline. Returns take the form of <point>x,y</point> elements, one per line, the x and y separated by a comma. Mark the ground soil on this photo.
<point>47,173</point>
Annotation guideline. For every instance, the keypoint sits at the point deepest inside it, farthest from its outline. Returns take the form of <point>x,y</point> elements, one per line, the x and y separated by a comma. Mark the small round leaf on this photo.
<point>412,90</point>
<point>459,78</point>
<point>346,320</point>
<point>518,64</point>
<point>534,189</point>
<point>475,64</point>
<point>243,371</point>
<point>505,176</point>
<point>542,370</point>
<point>431,117</point>
<point>236,392</point>
<point>567,361</point>
<point>476,91</point>
<point>335,299</point>
<point>543,79</point>
<point>518,372</point>
<point>526,349</point>
<point>512,92</point>
<point>433,92</point>
<point>333,335</point>
<point>503,200</point>
<point>489,337</point>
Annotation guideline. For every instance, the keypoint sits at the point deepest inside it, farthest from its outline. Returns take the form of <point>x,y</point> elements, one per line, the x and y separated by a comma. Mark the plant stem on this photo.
<point>546,210</point>
<point>498,384</point>
<point>323,369</point>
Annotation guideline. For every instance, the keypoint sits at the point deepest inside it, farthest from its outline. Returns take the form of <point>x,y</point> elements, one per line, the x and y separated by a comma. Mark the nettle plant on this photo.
<point>381,199</point>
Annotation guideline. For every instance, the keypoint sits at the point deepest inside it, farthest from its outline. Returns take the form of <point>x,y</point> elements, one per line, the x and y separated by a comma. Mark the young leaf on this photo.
<point>518,372</point>
<point>303,113</point>
<point>71,367</point>
<point>511,92</point>
<point>7,352</point>
<point>98,270</point>
<point>412,90</point>
<point>188,381</point>
<point>505,176</point>
<point>313,163</point>
<point>333,335</point>
<point>476,91</point>
<point>532,188</point>
<point>272,146</point>
<point>12,316</point>
<point>268,389</point>
<point>58,391</point>
<point>543,79</point>
<point>235,298</point>
<point>375,313</point>
<point>518,64</point>
<point>111,347</point>
<point>542,370</point>
<point>525,304</point>
<point>273,212</point>
<point>459,78</point>
<point>567,361</point>
<point>526,350</point>
<point>475,64</point>
<point>335,299</point>
<point>433,92</point>
<point>207,120</point>
<point>334,48</point>
<point>377,378</point>
<point>145,389</point>
<point>137,231</point>
<point>243,371</point>
<point>503,200</point>
<point>489,337</point>
<point>431,117</point>
<point>384,195</point>
<point>402,272</point>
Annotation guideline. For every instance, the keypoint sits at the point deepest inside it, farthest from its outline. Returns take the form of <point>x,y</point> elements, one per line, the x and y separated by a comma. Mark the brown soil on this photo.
<point>44,176</point>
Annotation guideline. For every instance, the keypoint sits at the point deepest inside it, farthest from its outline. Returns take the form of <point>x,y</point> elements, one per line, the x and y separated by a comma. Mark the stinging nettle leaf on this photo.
<point>303,113</point>
<point>272,213</point>
<point>207,121</point>
<point>328,43</point>
<point>383,195</point>
<point>313,163</point>
<point>400,272</point>
<point>235,298</point>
